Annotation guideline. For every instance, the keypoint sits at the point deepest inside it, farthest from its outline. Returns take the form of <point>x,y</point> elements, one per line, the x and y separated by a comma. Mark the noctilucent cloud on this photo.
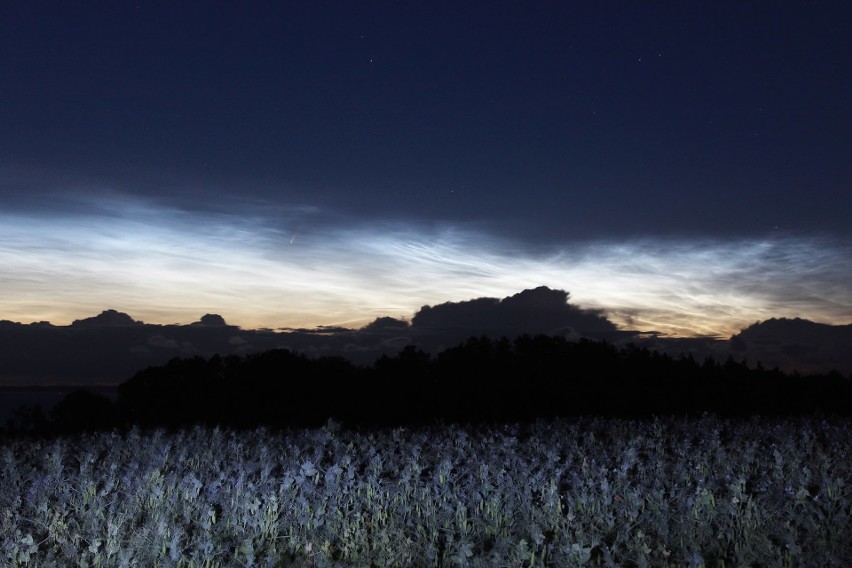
<point>684,166</point>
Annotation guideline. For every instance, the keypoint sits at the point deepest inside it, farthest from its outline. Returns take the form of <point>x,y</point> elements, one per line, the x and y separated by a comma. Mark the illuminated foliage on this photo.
<point>667,492</point>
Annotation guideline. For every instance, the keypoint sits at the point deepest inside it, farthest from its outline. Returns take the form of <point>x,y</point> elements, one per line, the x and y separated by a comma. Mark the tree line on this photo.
<point>482,380</point>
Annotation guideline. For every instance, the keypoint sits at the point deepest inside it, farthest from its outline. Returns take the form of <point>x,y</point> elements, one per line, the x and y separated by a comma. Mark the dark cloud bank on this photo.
<point>111,347</point>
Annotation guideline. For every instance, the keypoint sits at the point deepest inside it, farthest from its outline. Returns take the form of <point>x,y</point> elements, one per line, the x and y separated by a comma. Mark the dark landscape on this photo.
<point>427,370</point>
<point>107,350</point>
<point>534,451</point>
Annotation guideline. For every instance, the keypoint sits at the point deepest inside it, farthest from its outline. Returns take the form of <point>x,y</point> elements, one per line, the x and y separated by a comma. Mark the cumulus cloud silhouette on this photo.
<point>107,318</point>
<point>211,320</point>
<point>386,325</point>
<point>540,310</point>
<point>796,344</point>
<point>112,346</point>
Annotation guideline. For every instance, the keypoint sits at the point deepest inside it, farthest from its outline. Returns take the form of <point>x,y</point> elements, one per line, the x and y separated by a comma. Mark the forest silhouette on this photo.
<point>479,381</point>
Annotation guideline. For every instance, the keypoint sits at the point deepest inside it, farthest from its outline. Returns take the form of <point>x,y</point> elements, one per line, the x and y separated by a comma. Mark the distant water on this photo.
<point>12,398</point>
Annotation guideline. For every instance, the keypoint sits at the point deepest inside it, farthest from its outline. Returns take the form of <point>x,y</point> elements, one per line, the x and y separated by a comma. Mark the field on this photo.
<point>672,492</point>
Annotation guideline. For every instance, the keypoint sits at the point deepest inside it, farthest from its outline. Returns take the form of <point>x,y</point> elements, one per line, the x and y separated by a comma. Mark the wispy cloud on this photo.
<point>714,286</point>
<point>273,265</point>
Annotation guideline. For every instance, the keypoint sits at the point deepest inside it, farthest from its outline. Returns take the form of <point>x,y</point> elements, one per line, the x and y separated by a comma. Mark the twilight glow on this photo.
<point>273,267</point>
<point>682,166</point>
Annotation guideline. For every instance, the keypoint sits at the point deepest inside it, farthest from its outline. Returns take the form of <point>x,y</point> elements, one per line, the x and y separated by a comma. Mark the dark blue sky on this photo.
<point>547,124</point>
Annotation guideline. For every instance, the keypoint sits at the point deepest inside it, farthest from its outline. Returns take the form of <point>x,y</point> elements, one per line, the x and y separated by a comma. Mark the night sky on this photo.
<point>686,166</point>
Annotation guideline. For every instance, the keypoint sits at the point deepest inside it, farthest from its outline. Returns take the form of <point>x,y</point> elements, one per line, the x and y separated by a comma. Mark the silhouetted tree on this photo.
<point>83,410</point>
<point>479,380</point>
